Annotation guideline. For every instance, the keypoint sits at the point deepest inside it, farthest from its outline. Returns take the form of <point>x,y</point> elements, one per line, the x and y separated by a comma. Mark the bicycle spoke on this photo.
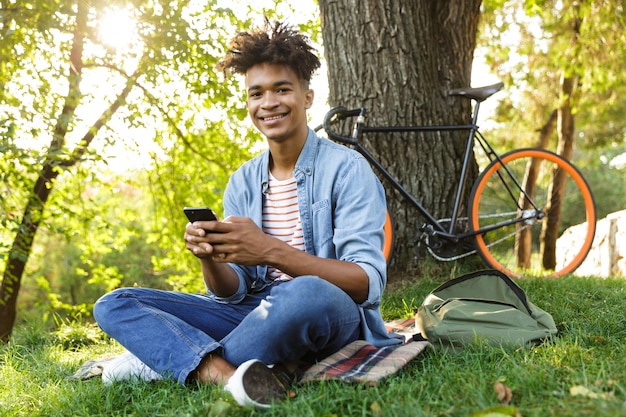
<point>518,232</point>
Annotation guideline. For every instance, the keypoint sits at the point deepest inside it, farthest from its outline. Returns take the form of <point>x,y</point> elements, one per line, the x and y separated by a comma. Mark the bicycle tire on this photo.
<point>389,237</point>
<point>491,202</point>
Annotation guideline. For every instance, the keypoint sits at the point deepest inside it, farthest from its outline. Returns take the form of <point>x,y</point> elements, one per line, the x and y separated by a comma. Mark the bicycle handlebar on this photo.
<point>339,113</point>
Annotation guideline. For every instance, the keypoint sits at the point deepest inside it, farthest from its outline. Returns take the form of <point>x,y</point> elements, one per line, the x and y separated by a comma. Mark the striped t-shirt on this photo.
<point>281,217</point>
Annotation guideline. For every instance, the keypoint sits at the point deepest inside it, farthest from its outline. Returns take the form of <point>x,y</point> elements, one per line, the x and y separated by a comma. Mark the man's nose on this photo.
<point>269,100</point>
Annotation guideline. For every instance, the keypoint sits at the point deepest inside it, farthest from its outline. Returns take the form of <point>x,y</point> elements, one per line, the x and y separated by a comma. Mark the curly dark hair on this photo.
<point>274,44</point>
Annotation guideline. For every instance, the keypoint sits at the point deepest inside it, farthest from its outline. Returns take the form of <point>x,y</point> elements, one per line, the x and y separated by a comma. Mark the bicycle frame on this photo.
<point>474,136</point>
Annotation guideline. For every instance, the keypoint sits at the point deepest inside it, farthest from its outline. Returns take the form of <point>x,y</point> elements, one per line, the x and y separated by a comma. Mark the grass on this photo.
<point>581,373</point>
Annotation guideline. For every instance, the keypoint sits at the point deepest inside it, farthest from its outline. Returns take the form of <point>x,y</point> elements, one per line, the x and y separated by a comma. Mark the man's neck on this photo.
<point>284,155</point>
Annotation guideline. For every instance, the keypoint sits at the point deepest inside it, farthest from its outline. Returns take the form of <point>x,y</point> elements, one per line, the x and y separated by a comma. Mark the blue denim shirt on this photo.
<point>342,209</point>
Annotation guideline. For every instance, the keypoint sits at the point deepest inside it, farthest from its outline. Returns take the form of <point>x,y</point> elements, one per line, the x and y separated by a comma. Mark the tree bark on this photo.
<point>399,59</point>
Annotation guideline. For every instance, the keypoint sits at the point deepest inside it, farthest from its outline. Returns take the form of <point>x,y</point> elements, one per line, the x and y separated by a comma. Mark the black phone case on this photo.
<point>195,214</point>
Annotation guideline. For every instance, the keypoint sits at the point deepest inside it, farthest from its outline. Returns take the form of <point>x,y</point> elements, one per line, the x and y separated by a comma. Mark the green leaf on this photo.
<point>500,411</point>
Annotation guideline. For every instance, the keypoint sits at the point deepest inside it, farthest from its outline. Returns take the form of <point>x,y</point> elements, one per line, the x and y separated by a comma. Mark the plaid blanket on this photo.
<point>359,361</point>
<point>363,362</point>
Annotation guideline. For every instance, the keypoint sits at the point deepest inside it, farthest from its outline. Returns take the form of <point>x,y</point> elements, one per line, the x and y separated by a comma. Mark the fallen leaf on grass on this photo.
<point>582,391</point>
<point>501,411</point>
<point>599,339</point>
<point>504,393</point>
<point>376,409</point>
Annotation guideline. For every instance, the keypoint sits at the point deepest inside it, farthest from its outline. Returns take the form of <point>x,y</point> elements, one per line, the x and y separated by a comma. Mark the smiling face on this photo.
<point>277,102</point>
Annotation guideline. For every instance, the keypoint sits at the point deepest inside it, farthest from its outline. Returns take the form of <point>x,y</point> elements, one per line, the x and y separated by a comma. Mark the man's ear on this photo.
<point>309,95</point>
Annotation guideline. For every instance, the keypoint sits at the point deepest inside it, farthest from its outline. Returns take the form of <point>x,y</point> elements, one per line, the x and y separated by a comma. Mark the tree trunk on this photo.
<point>399,60</point>
<point>55,162</point>
<point>523,239</point>
<point>22,244</point>
<point>565,148</point>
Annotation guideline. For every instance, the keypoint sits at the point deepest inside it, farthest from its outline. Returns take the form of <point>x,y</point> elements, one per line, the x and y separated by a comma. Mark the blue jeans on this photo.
<point>306,318</point>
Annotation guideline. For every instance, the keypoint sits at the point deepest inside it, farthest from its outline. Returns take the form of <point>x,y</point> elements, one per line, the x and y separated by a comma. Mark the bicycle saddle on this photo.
<point>478,93</point>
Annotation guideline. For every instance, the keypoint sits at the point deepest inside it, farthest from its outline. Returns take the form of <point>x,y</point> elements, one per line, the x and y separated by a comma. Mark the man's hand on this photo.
<point>197,239</point>
<point>236,239</point>
<point>202,238</point>
<point>241,241</point>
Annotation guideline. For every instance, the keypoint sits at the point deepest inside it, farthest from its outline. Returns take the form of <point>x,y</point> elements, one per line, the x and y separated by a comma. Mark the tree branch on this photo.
<point>155,102</point>
<point>104,118</point>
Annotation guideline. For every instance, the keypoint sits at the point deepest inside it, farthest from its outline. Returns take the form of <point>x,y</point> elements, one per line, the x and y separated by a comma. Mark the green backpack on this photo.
<point>482,306</point>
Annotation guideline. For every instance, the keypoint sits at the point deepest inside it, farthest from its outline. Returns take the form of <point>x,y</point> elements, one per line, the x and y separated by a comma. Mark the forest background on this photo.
<point>136,156</point>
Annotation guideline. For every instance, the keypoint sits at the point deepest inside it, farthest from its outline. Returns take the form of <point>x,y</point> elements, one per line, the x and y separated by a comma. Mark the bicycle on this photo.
<point>514,206</point>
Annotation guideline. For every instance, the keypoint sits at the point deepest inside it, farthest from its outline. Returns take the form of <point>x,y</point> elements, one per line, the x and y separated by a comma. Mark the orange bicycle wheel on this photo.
<point>388,242</point>
<point>536,246</point>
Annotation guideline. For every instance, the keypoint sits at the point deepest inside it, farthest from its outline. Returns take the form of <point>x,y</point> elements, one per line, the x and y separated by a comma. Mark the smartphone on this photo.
<point>196,214</point>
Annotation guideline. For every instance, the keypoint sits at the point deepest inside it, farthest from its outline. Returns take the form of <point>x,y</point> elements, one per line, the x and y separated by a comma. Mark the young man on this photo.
<point>294,272</point>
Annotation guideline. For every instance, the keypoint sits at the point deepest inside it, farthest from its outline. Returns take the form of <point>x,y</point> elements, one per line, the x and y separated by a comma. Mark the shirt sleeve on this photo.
<point>359,219</point>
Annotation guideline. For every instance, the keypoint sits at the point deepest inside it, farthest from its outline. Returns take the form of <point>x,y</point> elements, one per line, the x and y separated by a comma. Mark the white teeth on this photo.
<point>272,118</point>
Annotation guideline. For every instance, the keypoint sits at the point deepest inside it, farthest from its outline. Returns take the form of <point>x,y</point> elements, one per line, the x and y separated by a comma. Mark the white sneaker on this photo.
<point>257,384</point>
<point>127,366</point>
